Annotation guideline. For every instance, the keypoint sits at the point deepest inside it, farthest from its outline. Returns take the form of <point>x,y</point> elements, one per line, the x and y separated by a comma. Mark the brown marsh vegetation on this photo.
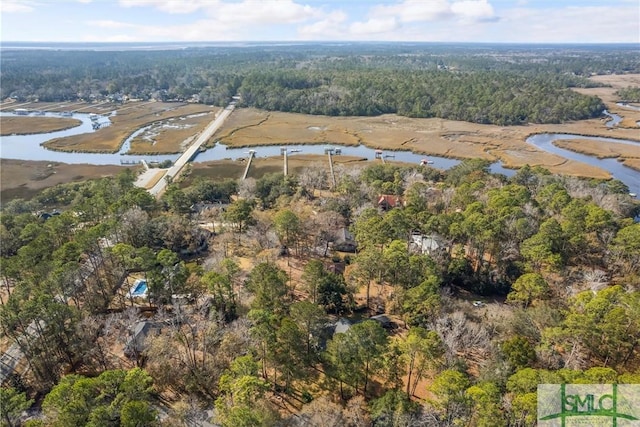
<point>252,127</point>
<point>127,119</point>
<point>32,125</point>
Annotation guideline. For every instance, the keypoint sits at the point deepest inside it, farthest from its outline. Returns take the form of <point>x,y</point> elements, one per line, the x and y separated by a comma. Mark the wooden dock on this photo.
<point>333,175</point>
<point>286,161</point>
<point>246,169</point>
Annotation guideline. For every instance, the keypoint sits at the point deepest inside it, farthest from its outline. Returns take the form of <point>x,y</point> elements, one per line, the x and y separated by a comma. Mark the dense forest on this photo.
<point>501,84</point>
<point>259,320</point>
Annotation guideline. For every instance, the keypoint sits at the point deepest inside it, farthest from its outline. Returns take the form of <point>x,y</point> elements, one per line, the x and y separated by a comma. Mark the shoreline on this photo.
<point>506,156</point>
<point>252,128</point>
<point>127,120</point>
<point>592,135</point>
<point>58,128</point>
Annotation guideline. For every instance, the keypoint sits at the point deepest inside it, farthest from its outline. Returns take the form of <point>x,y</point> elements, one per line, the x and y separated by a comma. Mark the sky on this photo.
<point>512,21</point>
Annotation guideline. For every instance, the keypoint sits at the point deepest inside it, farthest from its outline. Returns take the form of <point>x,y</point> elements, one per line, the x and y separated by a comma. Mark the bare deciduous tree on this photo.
<point>461,336</point>
<point>313,178</point>
<point>247,188</point>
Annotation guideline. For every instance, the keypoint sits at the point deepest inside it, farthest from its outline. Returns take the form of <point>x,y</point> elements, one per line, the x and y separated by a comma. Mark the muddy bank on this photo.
<point>34,125</point>
<point>23,179</point>
<point>598,149</point>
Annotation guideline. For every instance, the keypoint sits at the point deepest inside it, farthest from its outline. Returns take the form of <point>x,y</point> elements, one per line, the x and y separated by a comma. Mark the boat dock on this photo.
<point>246,169</point>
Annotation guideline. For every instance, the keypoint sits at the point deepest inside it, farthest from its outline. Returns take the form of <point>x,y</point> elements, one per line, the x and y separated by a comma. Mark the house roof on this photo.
<point>343,234</point>
<point>201,207</point>
<point>342,326</point>
<point>140,331</point>
<point>336,267</point>
<point>427,243</point>
<point>141,328</point>
<point>384,321</point>
<point>390,200</point>
<point>344,241</point>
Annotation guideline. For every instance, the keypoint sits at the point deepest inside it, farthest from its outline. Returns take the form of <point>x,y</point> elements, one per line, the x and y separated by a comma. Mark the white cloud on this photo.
<point>110,24</point>
<point>330,27</point>
<point>201,30</point>
<point>477,21</point>
<point>171,6</point>
<point>473,10</point>
<point>84,1</point>
<point>597,24</point>
<point>374,26</point>
<point>227,20</point>
<point>414,10</point>
<point>16,6</point>
<point>400,20</point>
<point>246,11</point>
<point>263,12</point>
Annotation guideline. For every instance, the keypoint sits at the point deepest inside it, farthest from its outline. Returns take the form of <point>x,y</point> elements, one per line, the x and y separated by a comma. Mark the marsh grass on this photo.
<point>128,118</point>
<point>33,125</point>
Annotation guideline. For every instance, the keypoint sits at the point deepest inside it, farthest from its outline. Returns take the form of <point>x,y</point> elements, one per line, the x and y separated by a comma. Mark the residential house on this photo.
<point>136,343</point>
<point>427,244</point>
<point>342,326</point>
<point>344,241</point>
<point>337,268</point>
<point>384,321</point>
<point>387,202</point>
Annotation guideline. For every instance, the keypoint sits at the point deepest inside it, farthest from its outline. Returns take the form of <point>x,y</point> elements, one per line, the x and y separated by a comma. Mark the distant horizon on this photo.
<point>308,21</point>
<point>302,42</point>
<point>311,42</point>
<point>159,46</point>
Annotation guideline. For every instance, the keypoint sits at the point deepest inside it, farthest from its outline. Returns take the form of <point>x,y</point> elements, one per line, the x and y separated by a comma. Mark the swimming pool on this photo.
<point>139,288</point>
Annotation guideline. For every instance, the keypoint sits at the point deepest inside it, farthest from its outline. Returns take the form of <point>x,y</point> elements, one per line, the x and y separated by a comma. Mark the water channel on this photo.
<point>615,119</point>
<point>625,174</point>
<point>628,106</point>
<point>28,147</point>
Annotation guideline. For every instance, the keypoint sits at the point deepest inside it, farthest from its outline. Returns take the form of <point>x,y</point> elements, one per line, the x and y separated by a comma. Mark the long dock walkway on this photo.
<point>191,152</point>
<point>333,175</point>
<point>246,169</point>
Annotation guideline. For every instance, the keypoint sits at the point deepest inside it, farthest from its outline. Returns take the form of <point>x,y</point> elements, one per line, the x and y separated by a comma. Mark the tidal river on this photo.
<point>28,147</point>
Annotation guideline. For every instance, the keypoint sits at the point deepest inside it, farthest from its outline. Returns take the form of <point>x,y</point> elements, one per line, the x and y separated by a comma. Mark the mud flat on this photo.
<point>599,149</point>
<point>438,137</point>
<point>220,169</point>
<point>23,178</point>
<point>514,159</point>
<point>127,119</point>
<point>633,164</point>
<point>172,135</point>
<point>630,117</point>
<point>252,127</point>
<point>32,125</point>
